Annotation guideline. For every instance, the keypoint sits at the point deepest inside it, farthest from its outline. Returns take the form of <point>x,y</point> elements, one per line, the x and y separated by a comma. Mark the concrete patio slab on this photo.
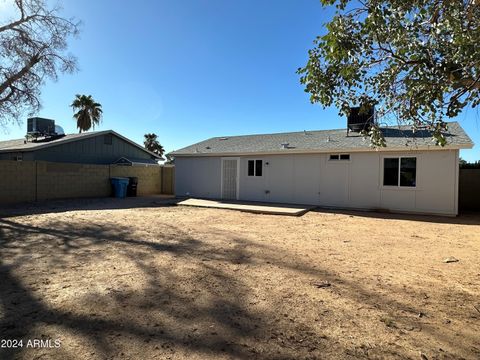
<point>255,207</point>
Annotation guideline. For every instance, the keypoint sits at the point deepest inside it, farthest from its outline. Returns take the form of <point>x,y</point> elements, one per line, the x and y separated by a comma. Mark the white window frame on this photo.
<point>398,186</point>
<point>255,168</point>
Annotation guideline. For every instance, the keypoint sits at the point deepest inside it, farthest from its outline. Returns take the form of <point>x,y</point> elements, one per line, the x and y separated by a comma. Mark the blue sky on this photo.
<point>192,69</point>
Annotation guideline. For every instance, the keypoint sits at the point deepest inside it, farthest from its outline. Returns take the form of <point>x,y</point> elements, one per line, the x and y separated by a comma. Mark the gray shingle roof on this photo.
<point>397,137</point>
<point>19,145</point>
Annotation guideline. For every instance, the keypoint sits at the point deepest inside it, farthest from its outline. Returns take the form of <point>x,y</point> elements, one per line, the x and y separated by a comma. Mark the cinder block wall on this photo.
<point>149,177</point>
<point>23,181</point>
<point>17,181</point>
<point>62,180</point>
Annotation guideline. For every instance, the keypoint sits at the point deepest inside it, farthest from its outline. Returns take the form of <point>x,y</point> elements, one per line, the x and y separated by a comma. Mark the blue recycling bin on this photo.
<point>119,186</point>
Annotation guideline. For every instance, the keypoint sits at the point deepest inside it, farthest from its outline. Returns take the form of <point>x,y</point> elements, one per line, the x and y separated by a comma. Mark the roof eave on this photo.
<point>93,134</point>
<point>56,143</point>
<point>324,151</point>
<point>137,145</point>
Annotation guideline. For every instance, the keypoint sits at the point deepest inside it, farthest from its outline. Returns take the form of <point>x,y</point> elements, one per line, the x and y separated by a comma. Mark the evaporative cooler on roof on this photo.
<point>40,126</point>
<point>358,121</point>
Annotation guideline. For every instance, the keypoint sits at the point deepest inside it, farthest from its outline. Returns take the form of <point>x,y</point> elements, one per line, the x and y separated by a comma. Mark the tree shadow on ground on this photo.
<point>193,298</point>
<point>464,218</point>
<point>221,321</point>
<point>65,205</point>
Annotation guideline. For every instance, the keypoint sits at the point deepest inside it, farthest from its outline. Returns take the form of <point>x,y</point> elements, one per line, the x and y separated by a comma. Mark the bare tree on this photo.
<point>33,47</point>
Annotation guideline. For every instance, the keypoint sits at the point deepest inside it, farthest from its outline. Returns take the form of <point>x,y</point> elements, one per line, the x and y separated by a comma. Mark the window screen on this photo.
<point>333,157</point>
<point>408,171</point>
<point>258,168</point>
<point>390,171</point>
<point>251,167</point>
<point>345,157</point>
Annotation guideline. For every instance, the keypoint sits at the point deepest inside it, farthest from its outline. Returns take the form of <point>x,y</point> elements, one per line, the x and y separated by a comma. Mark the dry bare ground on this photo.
<point>134,279</point>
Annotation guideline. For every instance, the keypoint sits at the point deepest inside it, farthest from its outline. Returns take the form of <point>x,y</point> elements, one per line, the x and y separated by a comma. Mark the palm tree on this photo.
<point>151,144</point>
<point>89,112</point>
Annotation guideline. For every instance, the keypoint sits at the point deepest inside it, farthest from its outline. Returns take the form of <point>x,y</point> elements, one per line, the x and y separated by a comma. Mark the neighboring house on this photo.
<point>97,147</point>
<point>327,168</point>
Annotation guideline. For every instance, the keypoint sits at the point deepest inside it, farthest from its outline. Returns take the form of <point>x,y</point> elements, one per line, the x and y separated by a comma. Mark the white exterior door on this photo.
<point>230,183</point>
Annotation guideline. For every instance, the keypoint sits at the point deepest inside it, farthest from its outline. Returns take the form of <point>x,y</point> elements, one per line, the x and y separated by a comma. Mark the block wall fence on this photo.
<point>26,181</point>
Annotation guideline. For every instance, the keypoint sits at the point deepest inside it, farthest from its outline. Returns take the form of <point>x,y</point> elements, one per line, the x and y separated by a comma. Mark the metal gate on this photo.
<point>230,178</point>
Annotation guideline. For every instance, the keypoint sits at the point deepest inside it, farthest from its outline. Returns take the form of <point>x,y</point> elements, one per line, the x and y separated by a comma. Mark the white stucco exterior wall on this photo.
<point>198,177</point>
<point>314,179</point>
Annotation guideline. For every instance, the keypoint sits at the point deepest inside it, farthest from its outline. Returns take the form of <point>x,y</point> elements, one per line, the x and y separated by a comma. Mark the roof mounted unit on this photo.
<point>357,121</point>
<point>41,129</point>
<point>37,125</point>
<point>59,130</point>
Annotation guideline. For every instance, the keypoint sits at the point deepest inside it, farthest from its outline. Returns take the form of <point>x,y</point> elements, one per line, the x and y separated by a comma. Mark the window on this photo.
<point>339,156</point>
<point>400,171</point>
<point>18,157</point>
<point>390,172</point>
<point>251,167</point>
<point>255,167</point>
<point>107,139</point>
<point>408,171</point>
<point>258,167</point>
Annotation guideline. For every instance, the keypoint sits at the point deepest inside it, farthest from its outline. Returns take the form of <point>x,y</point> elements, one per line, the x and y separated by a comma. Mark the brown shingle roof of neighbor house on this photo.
<point>397,138</point>
<point>20,145</point>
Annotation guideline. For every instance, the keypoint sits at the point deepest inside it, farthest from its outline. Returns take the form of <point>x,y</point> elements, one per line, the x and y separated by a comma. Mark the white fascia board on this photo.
<point>328,151</point>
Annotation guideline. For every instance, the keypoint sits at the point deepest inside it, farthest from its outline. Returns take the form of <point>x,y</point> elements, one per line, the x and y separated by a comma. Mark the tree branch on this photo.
<point>14,24</point>
<point>23,71</point>
<point>8,96</point>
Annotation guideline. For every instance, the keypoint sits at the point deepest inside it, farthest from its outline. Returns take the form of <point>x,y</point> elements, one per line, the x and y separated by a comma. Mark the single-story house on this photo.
<point>329,168</point>
<point>95,147</point>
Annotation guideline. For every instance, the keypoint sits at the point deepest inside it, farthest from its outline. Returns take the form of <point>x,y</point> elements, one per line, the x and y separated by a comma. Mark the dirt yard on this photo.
<point>147,281</point>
